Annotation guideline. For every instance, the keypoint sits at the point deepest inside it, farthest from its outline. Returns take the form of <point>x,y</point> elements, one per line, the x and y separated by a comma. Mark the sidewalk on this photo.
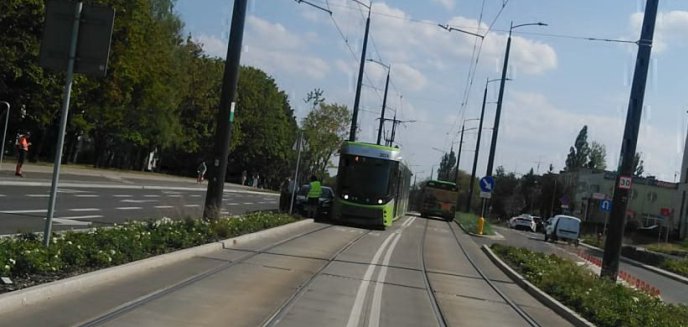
<point>34,172</point>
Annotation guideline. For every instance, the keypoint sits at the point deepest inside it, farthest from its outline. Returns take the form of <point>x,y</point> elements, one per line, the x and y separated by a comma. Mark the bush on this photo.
<point>601,301</point>
<point>25,257</point>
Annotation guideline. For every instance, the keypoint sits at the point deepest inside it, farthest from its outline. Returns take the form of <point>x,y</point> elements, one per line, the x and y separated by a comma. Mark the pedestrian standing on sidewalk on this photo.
<point>244,176</point>
<point>22,150</point>
<point>202,168</point>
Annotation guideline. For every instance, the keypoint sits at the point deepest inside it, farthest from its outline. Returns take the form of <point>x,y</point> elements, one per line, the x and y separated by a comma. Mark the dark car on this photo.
<point>326,201</point>
<point>539,224</point>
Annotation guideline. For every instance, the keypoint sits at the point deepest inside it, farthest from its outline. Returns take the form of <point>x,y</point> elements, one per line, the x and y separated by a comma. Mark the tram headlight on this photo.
<point>346,196</point>
<point>379,201</point>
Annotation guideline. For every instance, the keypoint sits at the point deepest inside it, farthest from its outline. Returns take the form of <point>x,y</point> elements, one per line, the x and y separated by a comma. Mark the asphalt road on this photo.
<point>318,275</point>
<point>89,201</point>
<point>671,291</point>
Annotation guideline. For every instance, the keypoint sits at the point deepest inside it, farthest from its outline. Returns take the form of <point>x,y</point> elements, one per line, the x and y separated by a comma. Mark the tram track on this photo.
<point>139,302</point>
<point>530,320</point>
<point>441,320</point>
<point>283,309</point>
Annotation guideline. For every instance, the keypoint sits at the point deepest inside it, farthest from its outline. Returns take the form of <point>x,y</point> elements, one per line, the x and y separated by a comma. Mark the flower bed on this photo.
<point>27,262</point>
<point>601,301</point>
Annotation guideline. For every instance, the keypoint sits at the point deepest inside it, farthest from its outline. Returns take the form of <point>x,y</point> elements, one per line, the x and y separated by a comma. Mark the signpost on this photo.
<point>606,205</point>
<point>76,38</point>
<point>487,185</point>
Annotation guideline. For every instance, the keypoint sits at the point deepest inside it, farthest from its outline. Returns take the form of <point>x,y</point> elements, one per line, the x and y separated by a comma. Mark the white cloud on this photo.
<point>212,45</point>
<point>447,4</point>
<point>670,28</point>
<point>531,128</point>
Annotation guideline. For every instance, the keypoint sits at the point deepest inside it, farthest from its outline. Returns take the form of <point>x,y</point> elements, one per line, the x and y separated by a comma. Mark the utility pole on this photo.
<point>225,115</point>
<point>357,99</point>
<point>4,131</point>
<point>458,162</point>
<point>477,151</point>
<point>617,218</point>
<point>384,105</point>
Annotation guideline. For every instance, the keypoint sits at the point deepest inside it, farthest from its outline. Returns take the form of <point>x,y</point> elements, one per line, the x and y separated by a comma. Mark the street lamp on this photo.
<point>493,146</point>
<point>384,99</point>
<point>477,145</point>
<point>4,131</point>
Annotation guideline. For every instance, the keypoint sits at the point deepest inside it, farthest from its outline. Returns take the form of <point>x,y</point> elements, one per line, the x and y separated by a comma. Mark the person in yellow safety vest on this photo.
<point>313,197</point>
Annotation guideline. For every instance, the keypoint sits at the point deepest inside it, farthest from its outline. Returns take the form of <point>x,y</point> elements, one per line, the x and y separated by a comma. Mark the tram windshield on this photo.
<point>366,180</point>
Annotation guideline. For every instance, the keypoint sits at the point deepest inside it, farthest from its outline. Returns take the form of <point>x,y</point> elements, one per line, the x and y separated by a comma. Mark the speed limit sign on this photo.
<point>625,182</point>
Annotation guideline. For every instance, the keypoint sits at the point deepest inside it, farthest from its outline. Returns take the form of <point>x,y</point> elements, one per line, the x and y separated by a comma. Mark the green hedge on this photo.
<point>25,257</point>
<point>601,301</point>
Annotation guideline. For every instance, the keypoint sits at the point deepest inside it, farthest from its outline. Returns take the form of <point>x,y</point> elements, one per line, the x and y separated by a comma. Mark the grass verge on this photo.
<point>469,222</point>
<point>680,250</point>
<point>600,301</point>
<point>27,262</point>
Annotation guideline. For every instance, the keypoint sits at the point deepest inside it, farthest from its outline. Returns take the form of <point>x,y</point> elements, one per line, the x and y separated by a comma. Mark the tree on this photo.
<point>638,168</point>
<point>264,131</point>
<point>505,200</point>
<point>325,128</point>
<point>578,154</point>
<point>446,169</point>
<point>598,156</point>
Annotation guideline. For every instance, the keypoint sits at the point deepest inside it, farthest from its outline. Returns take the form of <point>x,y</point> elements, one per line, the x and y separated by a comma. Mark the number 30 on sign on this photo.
<point>625,182</point>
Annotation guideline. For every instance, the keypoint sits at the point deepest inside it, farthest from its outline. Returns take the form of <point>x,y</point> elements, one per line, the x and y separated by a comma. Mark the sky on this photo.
<point>560,81</point>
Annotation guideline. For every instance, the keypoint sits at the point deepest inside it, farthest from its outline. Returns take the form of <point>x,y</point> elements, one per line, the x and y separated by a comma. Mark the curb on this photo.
<point>660,271</point>
<point>34,295</point>
<point>492,237</point>
<point>128,187</point>
<point>568,314</point>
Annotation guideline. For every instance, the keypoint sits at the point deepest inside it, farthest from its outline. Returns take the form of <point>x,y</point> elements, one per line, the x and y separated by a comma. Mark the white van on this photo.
<point>562,227</point>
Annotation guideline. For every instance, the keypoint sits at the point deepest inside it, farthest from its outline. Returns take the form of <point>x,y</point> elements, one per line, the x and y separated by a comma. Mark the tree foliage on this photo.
<point>161,94</point>
<point>578,153</point>
<point>447,165</point>
<point>638,168</point>
<point>598,156</point>
<point>325,128</point>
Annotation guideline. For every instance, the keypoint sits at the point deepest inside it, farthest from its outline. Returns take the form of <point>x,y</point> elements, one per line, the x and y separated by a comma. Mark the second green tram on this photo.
<point>373,185</point>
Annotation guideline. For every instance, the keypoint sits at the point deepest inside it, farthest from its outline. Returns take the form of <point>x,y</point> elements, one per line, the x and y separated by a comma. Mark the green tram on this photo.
<point>373,185</point>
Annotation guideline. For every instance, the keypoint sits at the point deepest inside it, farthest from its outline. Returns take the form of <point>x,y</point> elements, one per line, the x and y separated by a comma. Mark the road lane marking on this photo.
<point>248,203</point>
<point>355,315</point>
<point>138,201</point>
<point>191,205</point>
<point>174,195</point>
<point>38,195</point>
<point>65,221</point>
<point>25,211</point>
<point>151,196</point>
<point>374,320</point>
<point>163,207</point>
<point>84,209</point>
<point>128,208</point>
<point>80,217</point>
<point>87,195</point>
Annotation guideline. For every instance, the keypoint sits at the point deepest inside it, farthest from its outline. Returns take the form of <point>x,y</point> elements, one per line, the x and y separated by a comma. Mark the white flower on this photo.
<point>112,252</point>
<point>12,261</point>
<point>635,299</point>
<point>78,247</point>
<point>109,259</point>
<point>7,267</point>
<point>69,242</point>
